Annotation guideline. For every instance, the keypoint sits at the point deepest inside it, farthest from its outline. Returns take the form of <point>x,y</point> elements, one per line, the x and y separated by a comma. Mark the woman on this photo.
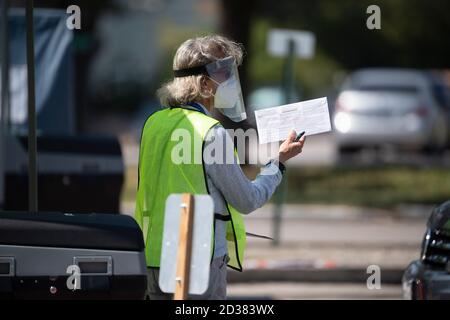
<point>205,78</point>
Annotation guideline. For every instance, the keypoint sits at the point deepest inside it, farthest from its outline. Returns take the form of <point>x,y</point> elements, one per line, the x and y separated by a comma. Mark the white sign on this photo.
<point>311,116</point>
<point>278,43</point>
<point>201,244</point>
<point>18,99</point>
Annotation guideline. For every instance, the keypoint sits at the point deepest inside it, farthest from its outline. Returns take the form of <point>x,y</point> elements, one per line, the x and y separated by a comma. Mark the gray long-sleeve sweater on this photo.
<point>227,183</point>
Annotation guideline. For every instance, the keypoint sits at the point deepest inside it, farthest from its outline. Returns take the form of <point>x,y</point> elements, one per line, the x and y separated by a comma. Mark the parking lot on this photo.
<point>321,150</point>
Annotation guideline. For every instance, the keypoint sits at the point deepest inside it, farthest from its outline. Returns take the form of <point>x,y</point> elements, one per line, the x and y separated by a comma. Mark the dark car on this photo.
<point>429,277</point>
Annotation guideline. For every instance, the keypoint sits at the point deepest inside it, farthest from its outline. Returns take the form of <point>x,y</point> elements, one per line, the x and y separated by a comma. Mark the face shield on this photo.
<point>228,98</point>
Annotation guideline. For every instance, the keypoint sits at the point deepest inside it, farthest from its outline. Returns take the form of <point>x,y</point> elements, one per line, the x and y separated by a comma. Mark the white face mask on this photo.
<point>226,94</point>
<point>228,99</point>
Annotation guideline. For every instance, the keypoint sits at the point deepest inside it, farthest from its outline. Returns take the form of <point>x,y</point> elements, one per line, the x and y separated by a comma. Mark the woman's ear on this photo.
<point>206,87</point>
<point>204,83</point>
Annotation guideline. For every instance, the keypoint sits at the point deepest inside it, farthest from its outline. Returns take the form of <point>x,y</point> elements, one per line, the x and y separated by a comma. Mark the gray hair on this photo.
<point>192,53</point>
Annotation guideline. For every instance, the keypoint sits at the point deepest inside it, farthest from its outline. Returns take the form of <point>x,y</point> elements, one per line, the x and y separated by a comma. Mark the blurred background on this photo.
<point>358,196</point>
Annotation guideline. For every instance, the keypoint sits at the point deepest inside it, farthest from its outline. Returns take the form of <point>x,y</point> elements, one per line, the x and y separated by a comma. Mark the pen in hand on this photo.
<point>291,147</point>
<point>299,136</point>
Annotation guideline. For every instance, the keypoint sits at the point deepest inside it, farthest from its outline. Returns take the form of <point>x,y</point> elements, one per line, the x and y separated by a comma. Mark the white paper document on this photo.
<point>311,116</point>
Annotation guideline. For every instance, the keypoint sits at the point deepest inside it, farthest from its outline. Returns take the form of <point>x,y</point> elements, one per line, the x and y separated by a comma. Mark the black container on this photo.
<point>39,252</point>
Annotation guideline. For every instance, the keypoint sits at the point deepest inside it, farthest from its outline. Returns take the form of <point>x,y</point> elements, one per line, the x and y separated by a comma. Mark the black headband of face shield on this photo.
<point>221,64</point>
<point>190,71</point>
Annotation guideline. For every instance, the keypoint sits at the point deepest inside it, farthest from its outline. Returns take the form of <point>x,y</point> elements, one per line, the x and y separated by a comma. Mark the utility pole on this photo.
<point>4,125</point>
<point>289,44</point>
<point>288,89</point>
<point>32,145</point>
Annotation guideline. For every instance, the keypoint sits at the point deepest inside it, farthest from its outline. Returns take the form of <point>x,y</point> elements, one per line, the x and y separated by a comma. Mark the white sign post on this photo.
<point>186,246</point>
<point>304,43</point>
<point>287,44</point>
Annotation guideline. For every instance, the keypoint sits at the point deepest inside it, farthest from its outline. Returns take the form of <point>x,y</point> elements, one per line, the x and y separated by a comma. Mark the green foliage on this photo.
<point>376,187</point>
<point>312,76</point>
<point>413,32</point>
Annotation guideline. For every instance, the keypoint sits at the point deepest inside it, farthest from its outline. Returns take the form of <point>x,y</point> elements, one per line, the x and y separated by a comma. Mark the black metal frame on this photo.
<point>4,53</point>
<point>32,145</point>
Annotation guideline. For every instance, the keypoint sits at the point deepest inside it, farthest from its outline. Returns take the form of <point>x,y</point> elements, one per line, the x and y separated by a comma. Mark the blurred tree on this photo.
<point>413,32</point>
<point>235,24</point>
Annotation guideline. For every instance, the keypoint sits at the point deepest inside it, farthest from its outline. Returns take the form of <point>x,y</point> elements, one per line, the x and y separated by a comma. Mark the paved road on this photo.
<point>298,291</point>
<point>333,224</point>
<point>331,237</point>
<point>347,239</point>
<point>336,235</point>
<point>353,233</point>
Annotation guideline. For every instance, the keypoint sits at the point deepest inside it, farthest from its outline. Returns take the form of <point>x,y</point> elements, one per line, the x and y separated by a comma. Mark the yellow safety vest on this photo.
<point>160,177</point>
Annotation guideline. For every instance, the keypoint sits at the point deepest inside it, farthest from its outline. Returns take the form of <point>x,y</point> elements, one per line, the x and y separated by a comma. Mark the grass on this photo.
<point>380,187</point>
<point>371,186</point>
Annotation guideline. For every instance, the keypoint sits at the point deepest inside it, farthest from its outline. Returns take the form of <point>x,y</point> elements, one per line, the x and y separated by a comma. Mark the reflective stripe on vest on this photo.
<point>159,177</point>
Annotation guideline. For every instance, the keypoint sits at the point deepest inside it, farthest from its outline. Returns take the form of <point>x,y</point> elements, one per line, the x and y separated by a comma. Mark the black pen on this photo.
<point>299,136</point>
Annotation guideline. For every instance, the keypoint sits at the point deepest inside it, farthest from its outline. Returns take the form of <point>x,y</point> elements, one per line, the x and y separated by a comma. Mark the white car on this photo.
<point>397,107</point>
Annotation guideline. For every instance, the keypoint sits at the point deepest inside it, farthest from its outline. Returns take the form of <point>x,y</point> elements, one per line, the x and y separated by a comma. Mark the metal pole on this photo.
<point>280,194</point>
<point>32,145</point>
<point>289,73</point>
<point>4,52</point>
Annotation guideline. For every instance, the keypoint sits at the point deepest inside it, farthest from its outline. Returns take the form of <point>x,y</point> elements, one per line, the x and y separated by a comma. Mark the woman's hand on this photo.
<point>289,148</point>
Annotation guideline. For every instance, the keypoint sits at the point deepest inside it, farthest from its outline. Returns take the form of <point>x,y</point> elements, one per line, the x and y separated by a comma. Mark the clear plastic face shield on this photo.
<point>228,98</point>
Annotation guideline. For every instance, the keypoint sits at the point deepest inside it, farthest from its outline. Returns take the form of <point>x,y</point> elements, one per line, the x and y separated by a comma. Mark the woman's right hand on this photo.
<point>289,148</point>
